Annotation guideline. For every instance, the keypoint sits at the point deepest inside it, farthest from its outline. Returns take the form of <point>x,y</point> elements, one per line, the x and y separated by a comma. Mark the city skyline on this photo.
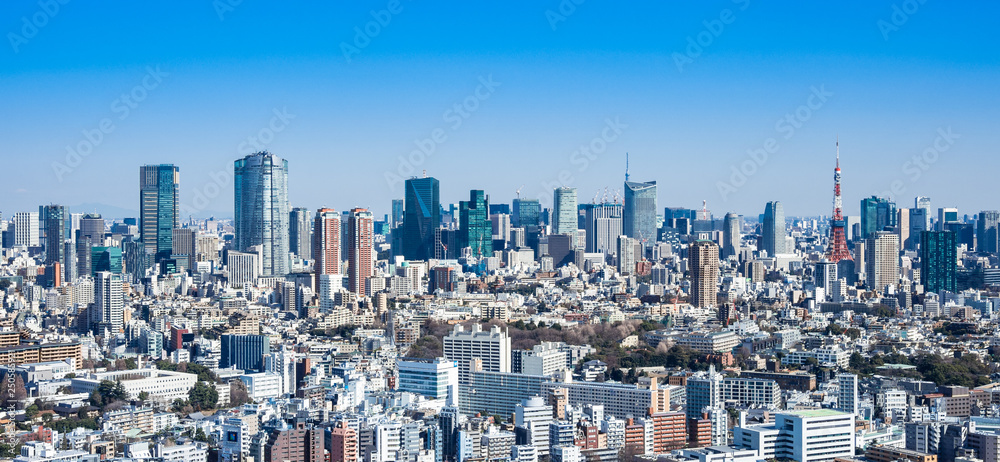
<point>538,98</point>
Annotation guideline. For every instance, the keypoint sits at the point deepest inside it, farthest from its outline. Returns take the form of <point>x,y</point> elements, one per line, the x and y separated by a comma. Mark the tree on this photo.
<point>201,436</point>
<point>853,333</point>
<point>130,364</point>
<point>143,395</point>
<point>31,411</point>
<point>203,396</point>
<point>112,391</point>
<point>7,450</point>
<point>4,284</point>
<point>238,393</point>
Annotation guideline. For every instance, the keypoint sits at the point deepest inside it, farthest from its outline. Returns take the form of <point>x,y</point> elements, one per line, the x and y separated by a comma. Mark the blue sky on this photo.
<point>894,77</point>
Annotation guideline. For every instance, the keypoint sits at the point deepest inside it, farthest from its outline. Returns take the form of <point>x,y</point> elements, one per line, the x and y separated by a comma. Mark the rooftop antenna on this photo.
<point>626,166</point>
<point>425,173</point>
<point>838,150</point>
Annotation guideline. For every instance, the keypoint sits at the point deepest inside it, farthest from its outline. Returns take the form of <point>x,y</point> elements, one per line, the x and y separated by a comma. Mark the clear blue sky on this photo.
<point>893,88</point>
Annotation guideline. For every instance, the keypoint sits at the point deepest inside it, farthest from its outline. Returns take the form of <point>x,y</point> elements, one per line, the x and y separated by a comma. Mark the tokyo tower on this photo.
<point>838,239</point>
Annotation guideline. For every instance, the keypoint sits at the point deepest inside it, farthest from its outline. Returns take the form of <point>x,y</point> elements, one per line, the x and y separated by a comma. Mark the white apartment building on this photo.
<point>492,348</point>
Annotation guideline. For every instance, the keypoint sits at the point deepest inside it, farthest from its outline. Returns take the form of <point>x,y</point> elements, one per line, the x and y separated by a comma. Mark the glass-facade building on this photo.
<point>877,214</point>
<point>475,228</point>
<point>527,212</point>
<point>246,352</point>
<point>300,225</point>
<point>421,217</point>
<point>938,261</point>
<point>565,217</point>
<point>639,213</point>
<point>773,229</point>
<point>158,208</point>
<point>262,210</point>
<point>107,259</point>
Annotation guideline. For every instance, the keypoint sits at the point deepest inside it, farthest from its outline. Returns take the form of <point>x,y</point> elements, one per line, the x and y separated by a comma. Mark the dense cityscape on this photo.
<point>612,330</point>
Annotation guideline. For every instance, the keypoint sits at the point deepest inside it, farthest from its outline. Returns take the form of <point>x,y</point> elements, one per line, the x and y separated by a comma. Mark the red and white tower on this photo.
<point>838,239</point>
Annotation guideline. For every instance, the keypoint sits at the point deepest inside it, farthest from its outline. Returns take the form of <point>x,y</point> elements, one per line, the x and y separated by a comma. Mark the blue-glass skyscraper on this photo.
<point>639,212</point>
<point>475,229</point>
<point>773,229</point>
<point>421,217</point>
<point>877,214</point>
<point>246,352</point>
<point>527,212</point>
<point>938,261</point>
<point>262,210</point>
<point>158,208</point>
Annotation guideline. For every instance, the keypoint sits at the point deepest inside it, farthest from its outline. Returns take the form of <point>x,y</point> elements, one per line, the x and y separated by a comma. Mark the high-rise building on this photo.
<point>532,418</point>
<point>882,260</point>
<point>730,235</point>
<point>847,397</point>
<point>946,215</point>
<point>475,229</point>
<point>603,225</point>
<point>986,231</point>
<point>300,443</point>
<point>564,217</point>
<point>245,352</point>
<point>492,348</point>
<point>903,227</point>
<point>109,301</point>
<point>398,213</point>
<point>184,246</point>
<point>262,209</point>
<point>158,208</point>
<point>527,212</point>
<point>326,245</point>
<point>436,379</point>
<point>26,229</point>
<point>920,221</point>
<point>300,227</point>
<point>820,435</point>
<point>938,261</point>
<point>625,253</point>
<point>360,250</point>
<point>343,443</point>
<point>773,229</point>
<point>639,211</point>
<point>92,226</point>
<point>421,218</point>
<point>105,259</point>
<point>703,261</point>
<point>703,392</point>
<point>877,214</point>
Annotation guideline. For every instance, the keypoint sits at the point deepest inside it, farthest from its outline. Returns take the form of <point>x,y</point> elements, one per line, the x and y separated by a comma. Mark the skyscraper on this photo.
<point>398,213</point>
<point>262,209</point>
<point>730,235</point>
<point>882,260</point>
<point>26,229</point>
<point>986,231</point>
<point>245,352</point>
<point>564,218</point>
<point>938,261</point>
<point>421,217</point>
<point>703,260</point>
<point>475,229</point>
<point>56,234</point>
<point>158,208</point>
<point>773,229</point>
<point>109,299</point>
<point>360,248</point>
<point>300,227</point>
<point>639,212</point>
<point>703,391</point>
<point>603,226</point>
<point>527,212</point>
<point>326,245</point>
<point>877,214</point>
<point>847,397</point>
<point>946,215</point>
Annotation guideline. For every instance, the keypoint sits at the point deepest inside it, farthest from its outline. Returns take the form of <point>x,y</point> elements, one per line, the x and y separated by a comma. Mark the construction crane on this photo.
<point>518,192</point>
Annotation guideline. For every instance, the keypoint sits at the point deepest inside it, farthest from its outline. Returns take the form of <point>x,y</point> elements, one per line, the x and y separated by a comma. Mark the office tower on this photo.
<point>326,243</point>
<point>107,259</point>
<point>946,215</point>
<point>475,230</point>
<point>639,212</point>
<point>398,214</point>
<point>184,246</point>
<point>243,268</point>
<point>923,202</point>
<point>300,227</point>
<point>433,378</point>
<point>920,221</point>
<point>882,260</point>
<point>903,227</point>
<point>877,214</point>
<point>262,210</point>
<point>109,301</point>
<point>826,274</point>
<point>773,229</point>
<point>26,229</point>
<point>564,217</point>
<point>244,352</point>
<point>847,397</point>
<point>84,244</point>
<point>810,435</point>
<point>54,222</point>
<point>421,218</point>
<point>527,212</point>
<point>492,348</point>
<point>986,231</point>
<point>343,443</point>
<point>703,261</point>
<point>158,208</point>
<point>603,225</point>
<point>703,391</point>
<point>730,235</point>
<point>938,261</point>
<point>360,250</point>
<point>500,223</point>
<point>92,226</point>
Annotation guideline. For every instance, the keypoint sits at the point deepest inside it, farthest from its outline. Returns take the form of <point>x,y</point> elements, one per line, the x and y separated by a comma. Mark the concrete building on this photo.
<point>803,436</point>
<point>492,348</point>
